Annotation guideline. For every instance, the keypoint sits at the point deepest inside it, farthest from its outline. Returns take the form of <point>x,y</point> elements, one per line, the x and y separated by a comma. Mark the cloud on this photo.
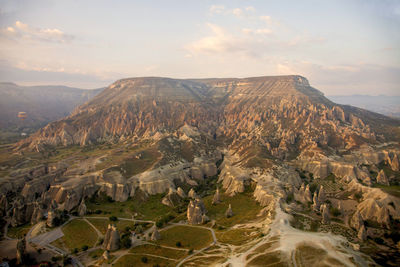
<point>219,41</point>
<point>22,31</point>
<point>257,31</point>
<point>217,9</point>
<point>238,12</point>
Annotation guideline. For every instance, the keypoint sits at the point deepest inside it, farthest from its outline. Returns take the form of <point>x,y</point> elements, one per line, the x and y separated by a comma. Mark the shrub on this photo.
<point>190,251</point>
<point>178,244</point>
<point>126,241</point>
<point>75,250</point>
<point>144,259</point>
<point>98,211</point>
<point>113,218</point>
<point>85,247</point>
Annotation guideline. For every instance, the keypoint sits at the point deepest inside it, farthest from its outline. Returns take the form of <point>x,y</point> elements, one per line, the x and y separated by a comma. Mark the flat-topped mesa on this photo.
<point>138,107</point>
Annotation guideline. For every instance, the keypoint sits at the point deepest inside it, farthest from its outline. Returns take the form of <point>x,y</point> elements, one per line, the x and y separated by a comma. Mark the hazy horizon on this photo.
<point>342,47</point>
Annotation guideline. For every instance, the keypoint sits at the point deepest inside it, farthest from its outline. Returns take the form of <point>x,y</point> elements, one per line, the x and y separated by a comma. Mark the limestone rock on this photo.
<point>216,199</point>
<point>229,212</point>
<point>195,211</point>
<point>155,235</point>
<point>111,238</point>
<point>382,179</point>
<point>82,208</point>
<point>362,233</point>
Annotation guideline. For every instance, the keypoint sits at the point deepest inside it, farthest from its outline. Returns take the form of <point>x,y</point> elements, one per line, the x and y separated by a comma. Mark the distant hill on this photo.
<point>387,105</point>
<point>42,105</point>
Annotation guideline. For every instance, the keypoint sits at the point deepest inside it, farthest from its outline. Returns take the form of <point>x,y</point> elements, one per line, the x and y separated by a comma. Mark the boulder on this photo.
<point>316,204</point>
<point>307,194</point>
<point>394,163</point>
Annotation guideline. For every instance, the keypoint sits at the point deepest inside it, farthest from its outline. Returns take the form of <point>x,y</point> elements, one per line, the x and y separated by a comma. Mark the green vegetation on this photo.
<point>19,231</point>
<point>244,208</point>
<point>188,236</point>
<point>393,190</point>
<point>159,251</point>
<point>101,225</point>
<point>149,209</point>
<point>78,233</point>
<point>137,260</point>
<point>236,236</point>
<point>96,253</point>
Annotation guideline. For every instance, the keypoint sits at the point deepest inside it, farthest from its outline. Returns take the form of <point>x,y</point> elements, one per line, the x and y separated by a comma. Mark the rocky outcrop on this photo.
<point>82,208</point>
<point>180,192</point>
<point>382,178</point>
<point>216,199</point>
<point>362,233</point>
<point>155,235</point>
<point>321,195</point>
<point>303,195</point>
<point>325,214</point>
<point>316,205</point>
<point>192,194</point>
<point>111,239</point>
<point>3,205</point>
<point>21,251</point>
<point>172,199</point>
<point>38,214</point>
<point>229,212</point>
<point>394,163</point>
<point>195,211</point>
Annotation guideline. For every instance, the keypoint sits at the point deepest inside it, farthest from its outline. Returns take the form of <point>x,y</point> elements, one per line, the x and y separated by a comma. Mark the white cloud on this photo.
<point>217,9</point>
<point>237,12</point>
<point>24,31</point>
<point>219,41</point>
<point>250,8</point>
<point>261,31</point>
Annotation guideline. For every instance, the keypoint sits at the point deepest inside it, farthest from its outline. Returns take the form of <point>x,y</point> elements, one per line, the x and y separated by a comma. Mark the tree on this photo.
<point>113,218</point>
<point>144,259</point>
<point>178,244</point>
<point>85,247</point>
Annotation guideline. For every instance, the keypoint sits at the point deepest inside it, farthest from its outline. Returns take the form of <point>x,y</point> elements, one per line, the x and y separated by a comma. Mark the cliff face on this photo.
<point>285,110</point>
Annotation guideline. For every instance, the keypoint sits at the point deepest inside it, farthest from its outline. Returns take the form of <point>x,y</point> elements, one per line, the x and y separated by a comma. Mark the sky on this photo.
<point>342,47</point>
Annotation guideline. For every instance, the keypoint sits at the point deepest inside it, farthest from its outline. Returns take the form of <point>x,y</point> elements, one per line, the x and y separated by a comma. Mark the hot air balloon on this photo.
<point>22,115</point>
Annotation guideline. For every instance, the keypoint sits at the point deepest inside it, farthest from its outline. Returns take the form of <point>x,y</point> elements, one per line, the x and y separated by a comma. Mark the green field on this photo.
<point>159,251</point>
<point>244,208</point>
<point>78,233</point>
<point>150,209</point>
<point>190,237</point>
<point>19,231</point>
<point>102,224</point>
<point>136,260</point>
<point>236,236</point>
